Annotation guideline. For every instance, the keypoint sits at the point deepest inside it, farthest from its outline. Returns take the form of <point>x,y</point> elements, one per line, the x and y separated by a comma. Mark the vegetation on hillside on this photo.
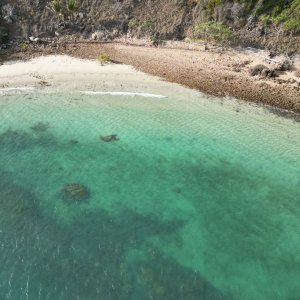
<point>278,18</point>
<point>256,23</point>
<point>70,7</point>
<point>215,32</point>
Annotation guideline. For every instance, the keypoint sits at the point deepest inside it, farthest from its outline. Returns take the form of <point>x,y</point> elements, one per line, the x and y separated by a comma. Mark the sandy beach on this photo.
<point>63,72</point>
<point>216,72</point>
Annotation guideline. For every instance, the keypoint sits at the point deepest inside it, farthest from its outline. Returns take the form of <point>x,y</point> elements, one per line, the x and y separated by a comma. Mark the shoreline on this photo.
<point>217,73</point>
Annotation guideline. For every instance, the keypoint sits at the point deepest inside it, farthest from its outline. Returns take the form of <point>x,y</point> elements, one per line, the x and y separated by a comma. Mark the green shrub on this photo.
<point>294,9</point>
<point>282,21</point>
<point>156,40</point>
<point>292,25</point>
<point>24,47</point>
<point>104,58</point>
<point>56,6</point>
<point>213,32</point>
<point>147,27</point>
<point>265,19</point>
<point>72,5</point>
<point>133,23</point>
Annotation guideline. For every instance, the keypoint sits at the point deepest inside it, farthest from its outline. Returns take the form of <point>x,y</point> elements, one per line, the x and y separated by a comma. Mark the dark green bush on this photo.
<point>214,32</point>
<point>4,35</point>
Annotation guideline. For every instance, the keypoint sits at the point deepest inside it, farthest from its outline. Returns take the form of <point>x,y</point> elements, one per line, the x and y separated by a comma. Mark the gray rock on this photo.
<point>286,65</point>
<point>258,70</point>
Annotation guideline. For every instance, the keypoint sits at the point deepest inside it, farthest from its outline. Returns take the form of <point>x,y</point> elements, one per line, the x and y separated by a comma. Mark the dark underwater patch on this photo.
<point>86,258</point>
<point>18,140</point>
<point>40,127</point>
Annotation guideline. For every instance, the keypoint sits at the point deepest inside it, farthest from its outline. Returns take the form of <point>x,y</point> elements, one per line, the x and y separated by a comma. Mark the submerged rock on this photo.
<point>40,127</point>
<point>75,192</point>
<point>109,138</point>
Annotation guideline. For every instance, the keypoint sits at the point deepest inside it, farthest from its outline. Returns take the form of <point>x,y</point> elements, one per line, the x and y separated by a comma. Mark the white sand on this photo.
<point>57,72</point>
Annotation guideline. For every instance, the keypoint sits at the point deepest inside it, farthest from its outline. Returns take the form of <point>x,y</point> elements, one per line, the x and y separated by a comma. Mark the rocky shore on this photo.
<point>247,74</point>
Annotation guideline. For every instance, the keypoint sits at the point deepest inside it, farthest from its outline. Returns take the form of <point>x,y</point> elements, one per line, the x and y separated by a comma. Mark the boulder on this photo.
<point>98,35</point>
<point>285,65</point>
<point>258,70</point>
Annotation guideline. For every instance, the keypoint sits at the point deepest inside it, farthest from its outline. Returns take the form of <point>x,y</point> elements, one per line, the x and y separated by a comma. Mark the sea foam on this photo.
<point>132,94</point>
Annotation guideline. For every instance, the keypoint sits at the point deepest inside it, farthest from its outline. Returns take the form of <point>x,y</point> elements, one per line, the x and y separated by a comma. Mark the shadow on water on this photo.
<point>41,259</point>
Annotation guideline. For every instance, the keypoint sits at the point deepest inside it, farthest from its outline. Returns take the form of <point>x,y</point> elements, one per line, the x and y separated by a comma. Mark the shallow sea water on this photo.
<point>199,199</point>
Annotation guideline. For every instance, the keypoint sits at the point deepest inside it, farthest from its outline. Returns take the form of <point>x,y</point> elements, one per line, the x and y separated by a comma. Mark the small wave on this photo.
<point>147,95</point>
<point>16,89</point>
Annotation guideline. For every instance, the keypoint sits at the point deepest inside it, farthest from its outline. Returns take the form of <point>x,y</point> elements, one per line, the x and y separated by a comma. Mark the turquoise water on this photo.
<point>198,199</point>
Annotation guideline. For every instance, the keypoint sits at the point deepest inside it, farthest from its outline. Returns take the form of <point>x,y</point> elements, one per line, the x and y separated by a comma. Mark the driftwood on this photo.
<point>273,61</point>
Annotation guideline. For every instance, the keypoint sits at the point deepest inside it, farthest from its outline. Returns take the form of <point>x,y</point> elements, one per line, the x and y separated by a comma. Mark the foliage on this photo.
<point>3,35</point>
<point>104,58</point>
<point>147,27</point>
<point>24,47</point>
<point>292,25</point>
<point>72,5</point>
<point>265,19</point>
<point>282,21</point>
<point>143,28</point>
<point>133,23</point>
<point>211,4</point>
<point>279,8</point>
<point>295,9</point>
<point>214,32</point>
<point>56,6</point>
<point>156,40</point>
